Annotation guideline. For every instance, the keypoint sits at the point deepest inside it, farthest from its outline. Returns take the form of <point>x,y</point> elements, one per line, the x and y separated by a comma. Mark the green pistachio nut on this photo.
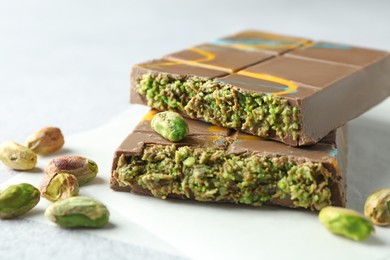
<point>46,140</point>
<point>377,207</point>
<point>17,200</point>
<point>78,212</point>
<point>170,125</point>
<point>17,157</point>
<point>82,168</point>
<point>59,186</point>
<point>346,222</point>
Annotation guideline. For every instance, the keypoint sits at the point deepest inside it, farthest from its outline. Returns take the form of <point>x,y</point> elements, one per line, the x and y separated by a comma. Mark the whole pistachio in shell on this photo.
<point>17,200</point>
<point>59,186</point>
<point>377,207</point>
<point>78,211</point>
<point>17,157</point>
<point>46,140</point>
<point>82,168</point>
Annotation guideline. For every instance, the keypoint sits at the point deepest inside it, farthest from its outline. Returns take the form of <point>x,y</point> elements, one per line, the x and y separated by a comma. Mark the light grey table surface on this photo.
<point>67,63</point>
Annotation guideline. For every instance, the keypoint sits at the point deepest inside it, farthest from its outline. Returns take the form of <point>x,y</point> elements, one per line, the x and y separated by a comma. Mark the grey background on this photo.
<point>67,63</point>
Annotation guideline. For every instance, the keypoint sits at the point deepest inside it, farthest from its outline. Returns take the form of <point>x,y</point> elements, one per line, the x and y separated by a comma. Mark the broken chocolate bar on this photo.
<point>282,88</point>
<point>216,164</point>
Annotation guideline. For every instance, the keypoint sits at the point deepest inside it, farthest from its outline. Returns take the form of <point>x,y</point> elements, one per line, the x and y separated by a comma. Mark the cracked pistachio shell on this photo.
<point>46,140</point>
<point>78,211</point>
<point>17,157</point>
<point>170,125</point>
<point>59,186</point>
<point>377,207</point>
<point>346,222</point>
<point>82,168</point>
<point>17,200</point>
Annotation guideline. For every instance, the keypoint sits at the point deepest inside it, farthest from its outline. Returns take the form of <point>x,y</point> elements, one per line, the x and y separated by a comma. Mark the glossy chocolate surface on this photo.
<point>330,83</point>
<point>339,53</point>
<point>331,152</point>
<point>219,57</point>
<point>262,41</point>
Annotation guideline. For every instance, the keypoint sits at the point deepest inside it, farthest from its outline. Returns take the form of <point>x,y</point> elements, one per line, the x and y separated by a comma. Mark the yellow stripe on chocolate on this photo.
<point>213,138</point>
<point>291,87</point>
<point>215,129</point>
<point>248,138</point>
<point>334,163</point>
<point>149,116</point>
<point>152,65</point>
<point>208,56</point>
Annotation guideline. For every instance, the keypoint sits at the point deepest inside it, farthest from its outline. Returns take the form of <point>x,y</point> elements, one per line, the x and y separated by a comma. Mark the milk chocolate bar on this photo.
<point>282,88</point>
<point>216,164</point>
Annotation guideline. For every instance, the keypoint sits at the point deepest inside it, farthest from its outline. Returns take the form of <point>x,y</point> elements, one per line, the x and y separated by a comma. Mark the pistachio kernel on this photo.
<point>346,222</point>
<point>170,125</point>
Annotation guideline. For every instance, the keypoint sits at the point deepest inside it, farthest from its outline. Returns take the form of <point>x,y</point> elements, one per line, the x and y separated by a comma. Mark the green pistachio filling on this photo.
<point>221,104</point>
<point>211,174</point>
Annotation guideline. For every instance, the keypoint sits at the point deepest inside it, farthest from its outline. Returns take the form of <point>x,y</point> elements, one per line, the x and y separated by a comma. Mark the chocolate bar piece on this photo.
<point>282,88</point>
<point>217,164</point>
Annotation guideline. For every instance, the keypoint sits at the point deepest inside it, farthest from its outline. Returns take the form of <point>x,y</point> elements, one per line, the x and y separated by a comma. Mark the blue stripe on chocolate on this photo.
<point>220,141</point>
<point>326,45</point>
<point>333,152</point>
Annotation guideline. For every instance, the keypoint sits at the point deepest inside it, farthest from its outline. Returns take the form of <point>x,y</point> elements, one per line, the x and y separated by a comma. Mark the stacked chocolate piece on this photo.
<point>266,115</point>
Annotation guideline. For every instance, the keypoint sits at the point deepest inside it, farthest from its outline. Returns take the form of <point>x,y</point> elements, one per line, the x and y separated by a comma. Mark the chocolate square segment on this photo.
<point>256,85</point>
<point>339,53</point>
<point>262,41</point>
<point>309,72</point>
<point>218,57</point>
<point>244,143</point>
<point>176,68</point>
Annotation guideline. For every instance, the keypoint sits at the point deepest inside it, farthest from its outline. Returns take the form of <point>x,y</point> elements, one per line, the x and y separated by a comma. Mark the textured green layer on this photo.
<point>221,104</point>
<point>210,174</point>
